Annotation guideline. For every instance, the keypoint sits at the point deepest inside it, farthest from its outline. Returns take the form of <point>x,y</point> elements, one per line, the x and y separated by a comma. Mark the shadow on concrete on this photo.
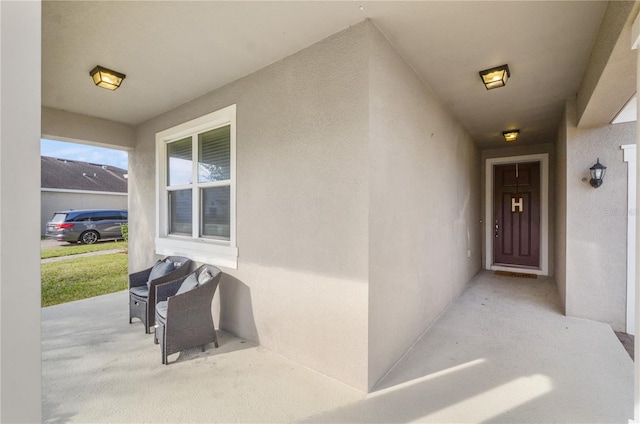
<point>90,349</point>
<point>441,398</point>
<point>503,352</point>
<point>236,309</point>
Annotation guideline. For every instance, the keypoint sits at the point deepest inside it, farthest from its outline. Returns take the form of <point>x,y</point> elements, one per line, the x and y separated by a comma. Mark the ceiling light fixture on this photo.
<point>495,77</point>
<point>106,78</point>
<point>510,136</point>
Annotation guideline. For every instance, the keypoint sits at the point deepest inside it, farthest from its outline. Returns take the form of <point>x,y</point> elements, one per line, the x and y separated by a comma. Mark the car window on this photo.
<point>101,216</point>
<point>124,215</point>
<point>81,217</point>
<point>58,217</point>
<point>106,215</point>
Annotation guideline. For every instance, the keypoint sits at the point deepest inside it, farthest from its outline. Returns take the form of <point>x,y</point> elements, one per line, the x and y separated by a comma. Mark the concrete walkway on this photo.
<point>48,244</point>
<point>502,352</point>
<point>82,255</point>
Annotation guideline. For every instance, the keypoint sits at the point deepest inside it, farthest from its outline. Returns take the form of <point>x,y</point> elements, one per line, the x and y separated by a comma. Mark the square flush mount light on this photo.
<point>106,78</point>
<point>510,136</point>
<point>495,77</point>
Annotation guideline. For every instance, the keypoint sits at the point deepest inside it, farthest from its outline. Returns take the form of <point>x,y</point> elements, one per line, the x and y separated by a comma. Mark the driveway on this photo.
<point>49,243</point>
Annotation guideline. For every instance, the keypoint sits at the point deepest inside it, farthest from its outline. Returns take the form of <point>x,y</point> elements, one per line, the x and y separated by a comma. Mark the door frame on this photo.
<point>543,158</point>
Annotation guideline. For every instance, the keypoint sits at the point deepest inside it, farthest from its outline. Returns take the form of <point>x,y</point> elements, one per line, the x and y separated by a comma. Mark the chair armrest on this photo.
<point>164,279</point>
<point>139,278</point>
<point>165,290</point>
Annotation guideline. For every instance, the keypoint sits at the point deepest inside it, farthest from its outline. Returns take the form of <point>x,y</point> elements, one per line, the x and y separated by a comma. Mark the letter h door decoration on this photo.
<point>517,204</point>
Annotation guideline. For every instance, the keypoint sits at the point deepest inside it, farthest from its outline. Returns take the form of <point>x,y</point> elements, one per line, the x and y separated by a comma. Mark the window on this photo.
<point>196,189</point>
<point>106,216</point>
<point>82,218</point>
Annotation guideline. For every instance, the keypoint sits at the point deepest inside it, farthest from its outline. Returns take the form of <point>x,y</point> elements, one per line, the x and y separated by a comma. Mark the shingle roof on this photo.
<point>76,175</point>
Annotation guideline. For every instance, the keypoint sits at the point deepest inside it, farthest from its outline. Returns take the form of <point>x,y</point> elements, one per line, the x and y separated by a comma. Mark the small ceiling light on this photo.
<point>510,136</point>
<point>106,78</point>
<point>597,174</point>
<point>495,77</point>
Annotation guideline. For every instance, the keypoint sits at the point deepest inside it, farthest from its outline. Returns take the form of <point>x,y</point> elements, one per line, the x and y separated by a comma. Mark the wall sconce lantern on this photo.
<point>597,174</point>
<point>510,136</point>
<point>106,78</point>
<point>495,77</point>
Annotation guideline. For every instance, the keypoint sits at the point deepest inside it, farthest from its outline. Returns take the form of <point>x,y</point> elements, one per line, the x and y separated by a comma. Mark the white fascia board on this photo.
<point>64,190</point>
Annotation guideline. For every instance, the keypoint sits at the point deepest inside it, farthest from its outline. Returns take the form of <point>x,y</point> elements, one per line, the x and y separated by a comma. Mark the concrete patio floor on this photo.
<point>502,352</point>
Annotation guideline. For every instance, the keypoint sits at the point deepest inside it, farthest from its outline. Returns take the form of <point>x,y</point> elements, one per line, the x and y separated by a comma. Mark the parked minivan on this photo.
<point>86,226</point>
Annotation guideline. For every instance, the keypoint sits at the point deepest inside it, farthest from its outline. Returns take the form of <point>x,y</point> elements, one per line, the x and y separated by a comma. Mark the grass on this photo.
<point>76,249</point>
<point>80,278</point>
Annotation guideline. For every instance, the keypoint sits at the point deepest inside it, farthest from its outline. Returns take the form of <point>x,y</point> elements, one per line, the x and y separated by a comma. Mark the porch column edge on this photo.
<point>635,42</point>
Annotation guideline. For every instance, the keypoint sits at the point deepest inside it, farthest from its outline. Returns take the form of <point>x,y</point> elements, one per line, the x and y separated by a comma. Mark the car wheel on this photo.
<point>89,237</point>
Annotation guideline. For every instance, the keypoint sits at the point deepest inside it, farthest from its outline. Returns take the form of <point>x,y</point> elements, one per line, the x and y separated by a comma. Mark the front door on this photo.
<point>516,206</point>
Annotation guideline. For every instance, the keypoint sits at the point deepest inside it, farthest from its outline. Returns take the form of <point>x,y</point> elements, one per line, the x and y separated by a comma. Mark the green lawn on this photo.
<point>80,278</point>
<point>76,249</point>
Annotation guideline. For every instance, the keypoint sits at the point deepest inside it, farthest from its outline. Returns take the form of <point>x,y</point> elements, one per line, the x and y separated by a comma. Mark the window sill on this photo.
<point>202,251</point>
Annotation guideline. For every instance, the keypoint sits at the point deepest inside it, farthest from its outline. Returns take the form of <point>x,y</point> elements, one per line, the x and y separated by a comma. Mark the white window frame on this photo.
<point>200,249</point>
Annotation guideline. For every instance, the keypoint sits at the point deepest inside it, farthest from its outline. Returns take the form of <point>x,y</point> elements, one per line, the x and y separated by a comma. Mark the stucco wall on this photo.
<point>20,400</point>
<point>52,201</point>
<point>607,83</point>
<point>424,208</point>
<point>596,222</point>
<point>560,234</point>
<point>68,126</point>
<point>302,204</point>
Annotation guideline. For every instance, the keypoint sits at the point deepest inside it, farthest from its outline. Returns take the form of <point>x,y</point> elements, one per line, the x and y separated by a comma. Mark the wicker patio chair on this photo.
<point>183,313</point>
<point>142,293</point>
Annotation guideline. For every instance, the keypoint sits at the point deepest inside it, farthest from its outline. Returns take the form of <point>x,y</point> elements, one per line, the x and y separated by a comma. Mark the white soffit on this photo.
<point>174,52</point>
<point>629,112</point>
<point>171,51</point>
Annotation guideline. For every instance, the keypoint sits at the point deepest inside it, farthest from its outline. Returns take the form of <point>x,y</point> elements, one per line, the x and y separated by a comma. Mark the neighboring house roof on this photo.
<point>75,175</point>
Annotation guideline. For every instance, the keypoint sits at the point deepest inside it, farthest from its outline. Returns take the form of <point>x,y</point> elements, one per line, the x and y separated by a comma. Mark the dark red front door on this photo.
<point>516,206</point>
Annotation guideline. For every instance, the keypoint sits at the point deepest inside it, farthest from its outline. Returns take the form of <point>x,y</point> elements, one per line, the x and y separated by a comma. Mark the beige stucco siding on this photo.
<point>20,356</point>
<point>596,227</point>
<point>348,249</point>
<point>74,127</point>
<point>302,205</point>
<point>424,208</point>
<point>560,233</point>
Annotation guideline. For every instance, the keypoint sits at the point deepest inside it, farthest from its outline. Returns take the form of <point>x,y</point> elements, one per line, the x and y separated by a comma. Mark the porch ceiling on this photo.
<point>173,52</point>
